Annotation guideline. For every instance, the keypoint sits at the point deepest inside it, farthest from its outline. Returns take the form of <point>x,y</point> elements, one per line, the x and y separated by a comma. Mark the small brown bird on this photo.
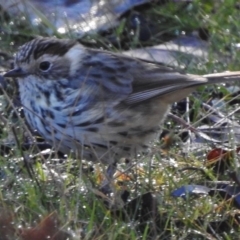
<point>97,104</point>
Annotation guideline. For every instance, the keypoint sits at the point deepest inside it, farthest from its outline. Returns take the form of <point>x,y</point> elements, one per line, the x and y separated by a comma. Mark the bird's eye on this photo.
<point>44,66</point>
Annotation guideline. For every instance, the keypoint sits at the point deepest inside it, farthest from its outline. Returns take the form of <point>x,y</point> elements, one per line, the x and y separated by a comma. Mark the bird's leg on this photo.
<point>106,186</point>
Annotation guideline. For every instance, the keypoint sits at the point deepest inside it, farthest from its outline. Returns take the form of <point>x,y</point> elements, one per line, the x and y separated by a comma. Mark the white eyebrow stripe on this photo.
<point>75,55</point>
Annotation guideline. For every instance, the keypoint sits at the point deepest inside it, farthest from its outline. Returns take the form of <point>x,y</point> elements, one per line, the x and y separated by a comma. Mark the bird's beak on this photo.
<point>16,72</point>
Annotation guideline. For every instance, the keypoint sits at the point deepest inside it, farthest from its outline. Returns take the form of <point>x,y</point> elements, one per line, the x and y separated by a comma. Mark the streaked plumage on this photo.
<point>97,104</point>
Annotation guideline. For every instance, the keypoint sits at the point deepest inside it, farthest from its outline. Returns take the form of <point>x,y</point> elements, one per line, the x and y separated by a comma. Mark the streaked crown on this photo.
<point>39,46</point>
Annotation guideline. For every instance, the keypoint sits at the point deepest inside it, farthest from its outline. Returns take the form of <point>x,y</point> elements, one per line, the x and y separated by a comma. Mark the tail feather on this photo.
<point>222,77</point>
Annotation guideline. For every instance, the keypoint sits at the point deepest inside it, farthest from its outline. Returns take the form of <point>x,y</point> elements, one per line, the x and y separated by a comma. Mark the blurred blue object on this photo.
<point>188,190</point>
<point>78,16</point>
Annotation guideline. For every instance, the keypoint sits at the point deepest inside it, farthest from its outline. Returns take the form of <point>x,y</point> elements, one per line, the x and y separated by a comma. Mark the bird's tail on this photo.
<point>222,77</point>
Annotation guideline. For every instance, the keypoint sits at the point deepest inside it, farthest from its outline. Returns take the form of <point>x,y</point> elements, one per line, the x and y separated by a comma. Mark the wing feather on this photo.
<point>132,80</point>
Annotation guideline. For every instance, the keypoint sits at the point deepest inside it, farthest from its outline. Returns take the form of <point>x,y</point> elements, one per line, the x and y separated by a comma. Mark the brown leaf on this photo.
<point>7,229</point>
<point>47,229</point>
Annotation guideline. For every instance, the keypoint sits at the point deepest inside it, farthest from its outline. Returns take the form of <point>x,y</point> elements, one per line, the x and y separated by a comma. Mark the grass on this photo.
<point>35,185</point>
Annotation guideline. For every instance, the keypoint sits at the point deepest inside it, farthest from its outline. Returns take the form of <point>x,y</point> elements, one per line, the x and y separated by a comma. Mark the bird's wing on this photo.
<point>132,80</point>
<point>159,81</point>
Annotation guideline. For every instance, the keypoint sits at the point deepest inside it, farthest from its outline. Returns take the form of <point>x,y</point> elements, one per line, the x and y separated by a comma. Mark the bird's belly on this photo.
<point>121,134</point>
